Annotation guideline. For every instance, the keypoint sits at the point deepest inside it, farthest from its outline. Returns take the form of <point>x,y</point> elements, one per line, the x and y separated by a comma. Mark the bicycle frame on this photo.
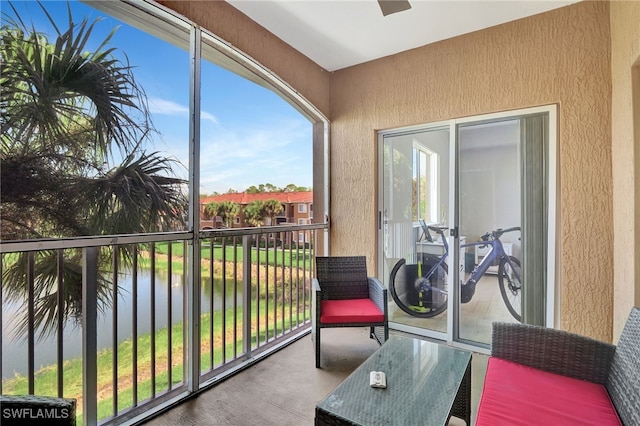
<point>440,261</point>
<point>422,299</point>
<point>495,255</point>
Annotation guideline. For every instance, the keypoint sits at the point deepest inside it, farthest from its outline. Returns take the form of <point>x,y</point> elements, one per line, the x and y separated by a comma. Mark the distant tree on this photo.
<point>294,188</point>
<point>231,191</point>
<point>271,208</point>
<point>271,188</point>
<point>400,162</point>
<point>257,211</point>
<point>227,210</point>
<point>262,188</point>
<point>254,213</point>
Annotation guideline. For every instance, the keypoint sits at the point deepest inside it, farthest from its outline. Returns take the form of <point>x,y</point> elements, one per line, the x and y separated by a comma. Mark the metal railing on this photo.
<point>267,275</point>
<point>108,320</point>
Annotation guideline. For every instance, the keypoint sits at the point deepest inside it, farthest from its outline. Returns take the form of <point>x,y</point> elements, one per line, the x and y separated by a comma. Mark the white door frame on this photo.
<point>552,310</point>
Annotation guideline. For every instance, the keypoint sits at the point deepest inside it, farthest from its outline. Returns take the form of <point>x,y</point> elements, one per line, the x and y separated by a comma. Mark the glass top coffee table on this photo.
<point>427,383</point>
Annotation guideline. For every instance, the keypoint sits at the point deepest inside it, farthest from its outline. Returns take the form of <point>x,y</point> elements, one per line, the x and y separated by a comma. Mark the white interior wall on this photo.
<point>489,168</point>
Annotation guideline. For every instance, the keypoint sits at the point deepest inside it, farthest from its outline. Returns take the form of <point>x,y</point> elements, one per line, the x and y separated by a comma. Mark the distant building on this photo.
<point>297,209</point>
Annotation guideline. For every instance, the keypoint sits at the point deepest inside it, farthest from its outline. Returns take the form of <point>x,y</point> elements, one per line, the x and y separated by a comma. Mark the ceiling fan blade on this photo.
<point>392,6</point>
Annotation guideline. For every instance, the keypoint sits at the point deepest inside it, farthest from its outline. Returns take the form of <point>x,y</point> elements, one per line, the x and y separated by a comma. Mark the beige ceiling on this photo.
<point>340,33</point>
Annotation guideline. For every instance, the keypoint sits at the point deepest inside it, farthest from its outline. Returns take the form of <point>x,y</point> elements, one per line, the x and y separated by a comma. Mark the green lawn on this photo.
<point>46,378</point>
<point>297,258</point>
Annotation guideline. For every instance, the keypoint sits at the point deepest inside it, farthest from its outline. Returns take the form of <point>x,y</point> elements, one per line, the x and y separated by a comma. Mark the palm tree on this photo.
<point>227,210</point>
<point>254,213</point>
<point>65,112</point>
<point>271,208</point>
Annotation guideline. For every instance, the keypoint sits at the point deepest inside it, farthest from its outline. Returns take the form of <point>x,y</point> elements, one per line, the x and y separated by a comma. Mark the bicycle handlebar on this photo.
<point>498,233</point>
<point>484,237</point>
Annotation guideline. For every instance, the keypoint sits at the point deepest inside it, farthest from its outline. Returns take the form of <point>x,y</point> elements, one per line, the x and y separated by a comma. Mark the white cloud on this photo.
<point>238,156</point>
<point>167,107</point>
<point>279,154</point>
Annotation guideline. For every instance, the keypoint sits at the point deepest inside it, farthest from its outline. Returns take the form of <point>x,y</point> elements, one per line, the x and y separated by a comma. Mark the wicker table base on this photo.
<point>427,383</point>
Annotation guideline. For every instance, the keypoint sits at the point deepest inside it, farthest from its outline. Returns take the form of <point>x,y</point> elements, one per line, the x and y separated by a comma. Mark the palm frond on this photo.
<point>58,78</point>
<point>46,286</point>
<point>140,195</point>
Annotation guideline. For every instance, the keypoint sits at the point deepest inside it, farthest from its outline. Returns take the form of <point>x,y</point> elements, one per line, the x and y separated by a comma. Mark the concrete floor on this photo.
<point>284,388</point>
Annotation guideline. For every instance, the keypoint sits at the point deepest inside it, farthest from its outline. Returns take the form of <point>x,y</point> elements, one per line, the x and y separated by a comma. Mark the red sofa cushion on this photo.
<point>515,394</point>
<point>349,310</point>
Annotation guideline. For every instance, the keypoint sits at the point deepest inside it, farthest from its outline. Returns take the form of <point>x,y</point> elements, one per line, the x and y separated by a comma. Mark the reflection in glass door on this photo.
<point>414,193</point>
<point>504,212</point>
<point>489,206</point>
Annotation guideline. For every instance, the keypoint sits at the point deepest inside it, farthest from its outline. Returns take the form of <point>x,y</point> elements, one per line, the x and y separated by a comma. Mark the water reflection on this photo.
<point>14,348</point>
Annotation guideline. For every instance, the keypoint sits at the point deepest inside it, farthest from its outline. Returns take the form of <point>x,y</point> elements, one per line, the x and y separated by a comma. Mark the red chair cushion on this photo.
<point>515,394</point>
<point>349,310</point>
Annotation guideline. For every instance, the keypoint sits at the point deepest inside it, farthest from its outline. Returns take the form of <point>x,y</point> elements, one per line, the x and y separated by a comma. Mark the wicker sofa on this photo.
<point>540,376</point>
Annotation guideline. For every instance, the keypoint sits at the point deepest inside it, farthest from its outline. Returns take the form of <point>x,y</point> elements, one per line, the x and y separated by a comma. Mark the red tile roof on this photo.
<point>244,198</point>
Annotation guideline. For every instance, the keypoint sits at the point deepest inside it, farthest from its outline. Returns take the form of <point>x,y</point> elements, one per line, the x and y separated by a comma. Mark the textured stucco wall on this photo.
<point>625,53</point>
<point>559,57</point>
<point>231,25</point>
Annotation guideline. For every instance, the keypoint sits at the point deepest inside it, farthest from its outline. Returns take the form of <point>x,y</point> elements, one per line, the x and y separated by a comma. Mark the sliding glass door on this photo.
<point>415,188</point>
<point>476,193</point>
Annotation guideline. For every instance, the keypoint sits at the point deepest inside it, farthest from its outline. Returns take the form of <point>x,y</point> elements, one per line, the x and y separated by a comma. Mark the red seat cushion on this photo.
<point>349,310</point>
<point>515,394</point>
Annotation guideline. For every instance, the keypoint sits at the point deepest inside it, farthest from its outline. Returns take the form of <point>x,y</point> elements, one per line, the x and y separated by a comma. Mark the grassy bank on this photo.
<point>46,378</point>
<point>296,258</point>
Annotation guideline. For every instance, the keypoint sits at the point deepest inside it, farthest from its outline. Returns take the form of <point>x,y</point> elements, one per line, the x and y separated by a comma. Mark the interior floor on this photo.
<point>476,316</point>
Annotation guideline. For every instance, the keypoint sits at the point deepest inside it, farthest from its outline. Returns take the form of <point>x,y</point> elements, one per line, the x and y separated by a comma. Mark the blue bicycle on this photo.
<point>425,295</point>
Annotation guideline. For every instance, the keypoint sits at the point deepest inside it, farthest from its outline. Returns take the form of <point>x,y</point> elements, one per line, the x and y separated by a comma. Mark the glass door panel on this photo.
<point>414,193</point>
<point>489,203</point>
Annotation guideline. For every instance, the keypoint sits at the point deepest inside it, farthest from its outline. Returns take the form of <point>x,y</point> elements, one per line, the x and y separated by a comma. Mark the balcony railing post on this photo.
<point>31,256</point>
<point>193,283</point>
<point>246,295</point>
<point>89,338</point>
<point>192,356</point>
<point>1,320</point>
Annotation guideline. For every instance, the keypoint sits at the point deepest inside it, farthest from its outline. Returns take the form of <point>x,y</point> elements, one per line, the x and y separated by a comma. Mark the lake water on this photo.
<point>14,348</point>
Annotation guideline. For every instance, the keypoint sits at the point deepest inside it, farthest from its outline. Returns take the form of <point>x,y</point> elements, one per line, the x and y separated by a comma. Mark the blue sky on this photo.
<point>249,135</point>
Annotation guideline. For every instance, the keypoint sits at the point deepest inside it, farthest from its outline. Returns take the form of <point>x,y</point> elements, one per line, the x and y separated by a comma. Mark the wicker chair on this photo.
<point>617,368</point>
<point>343,296</point>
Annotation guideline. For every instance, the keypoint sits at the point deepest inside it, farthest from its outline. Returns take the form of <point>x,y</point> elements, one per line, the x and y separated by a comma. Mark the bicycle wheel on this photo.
<point>510,283</point>
<point>419,296</point>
